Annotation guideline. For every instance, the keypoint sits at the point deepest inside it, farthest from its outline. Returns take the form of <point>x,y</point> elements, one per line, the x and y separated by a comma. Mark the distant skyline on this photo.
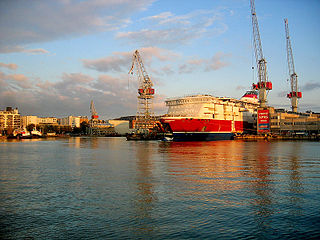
<point>57,56</point>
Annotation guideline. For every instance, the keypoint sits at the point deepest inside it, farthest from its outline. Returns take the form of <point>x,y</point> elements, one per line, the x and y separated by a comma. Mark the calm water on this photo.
<point>109,188</point>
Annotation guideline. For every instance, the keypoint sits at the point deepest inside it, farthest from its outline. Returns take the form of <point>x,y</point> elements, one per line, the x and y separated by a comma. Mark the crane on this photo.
<point>94,114</point>
<point>294,94</point>
<point>263,84</point>
<point>145,117</point>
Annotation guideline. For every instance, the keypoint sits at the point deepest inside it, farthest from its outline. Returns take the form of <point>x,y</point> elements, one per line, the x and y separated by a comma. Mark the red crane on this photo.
<point>294,95</point>
<point>263,84</point>
<point>94,114</point>
<point>145,116</point>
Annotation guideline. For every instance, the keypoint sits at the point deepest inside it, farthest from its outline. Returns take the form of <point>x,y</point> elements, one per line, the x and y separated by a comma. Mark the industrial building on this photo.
<point>292,123</point>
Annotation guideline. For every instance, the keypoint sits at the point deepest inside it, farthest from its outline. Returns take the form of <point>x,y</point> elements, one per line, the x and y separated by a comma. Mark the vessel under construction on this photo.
<point>206,118</point>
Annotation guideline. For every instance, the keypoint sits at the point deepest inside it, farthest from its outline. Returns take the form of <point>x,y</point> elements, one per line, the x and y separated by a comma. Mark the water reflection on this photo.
<point>106,188</point>
<point>241,175</point>
<point>145,196</point>
<point>295,185</point>
<point>207,163</point>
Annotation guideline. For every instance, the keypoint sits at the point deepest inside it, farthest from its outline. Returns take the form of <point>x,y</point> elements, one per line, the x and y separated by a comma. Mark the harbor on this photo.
<point>155,119</point>
<point>105,187</point>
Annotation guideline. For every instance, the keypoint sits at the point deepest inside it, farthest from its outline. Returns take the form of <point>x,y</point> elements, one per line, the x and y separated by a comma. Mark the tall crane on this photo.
<point>94,114</point>
<point>145,116</point>
<point>263,84</point>
<point>294,94</point>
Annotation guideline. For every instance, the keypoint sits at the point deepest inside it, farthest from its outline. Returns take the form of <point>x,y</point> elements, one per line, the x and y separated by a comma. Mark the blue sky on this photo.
<point>57,56</point>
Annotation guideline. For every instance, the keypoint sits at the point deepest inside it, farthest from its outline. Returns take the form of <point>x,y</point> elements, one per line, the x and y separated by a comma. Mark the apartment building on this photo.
<point>9,119</point>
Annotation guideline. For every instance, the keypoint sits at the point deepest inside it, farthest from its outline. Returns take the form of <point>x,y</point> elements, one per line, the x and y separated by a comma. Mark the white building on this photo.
<point>27,120</point>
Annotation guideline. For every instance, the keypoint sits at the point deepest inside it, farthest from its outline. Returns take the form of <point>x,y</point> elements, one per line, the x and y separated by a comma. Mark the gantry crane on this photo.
<point>294,94</point>
<point>263,84</point>
<point>145,116</point>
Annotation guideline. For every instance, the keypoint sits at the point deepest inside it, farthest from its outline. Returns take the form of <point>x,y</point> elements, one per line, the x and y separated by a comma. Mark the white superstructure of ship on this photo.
<point>205,117</point>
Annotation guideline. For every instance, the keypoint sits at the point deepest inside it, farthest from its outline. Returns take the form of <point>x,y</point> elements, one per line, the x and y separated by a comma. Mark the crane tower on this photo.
<point>263,84</point>
<point>94,114</point>
<point>145,116</point>
<point>294,94</point>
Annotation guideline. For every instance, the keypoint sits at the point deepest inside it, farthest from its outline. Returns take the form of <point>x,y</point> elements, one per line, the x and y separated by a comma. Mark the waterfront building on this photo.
<point>84,119</point>
<point>287,122</point>
<point>121,127</point>
<point>9,119</point>
<point>27,120</point>
<point>48,120</point>
<point>101,129</point>
<point>71,121</point>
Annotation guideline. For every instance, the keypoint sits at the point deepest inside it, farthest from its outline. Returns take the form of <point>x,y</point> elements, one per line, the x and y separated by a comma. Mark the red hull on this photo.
<point>202,125</point>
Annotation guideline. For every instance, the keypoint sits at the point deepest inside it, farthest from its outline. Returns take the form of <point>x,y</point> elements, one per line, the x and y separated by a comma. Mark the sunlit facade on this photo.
<point>9,119</point>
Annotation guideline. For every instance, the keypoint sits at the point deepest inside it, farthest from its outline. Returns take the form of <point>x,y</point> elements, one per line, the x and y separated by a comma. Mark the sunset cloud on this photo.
<point>71,95</point>
<point>217,62</point>
<point>25,22</point>
<point>10,66</point>
<point>122,61</point>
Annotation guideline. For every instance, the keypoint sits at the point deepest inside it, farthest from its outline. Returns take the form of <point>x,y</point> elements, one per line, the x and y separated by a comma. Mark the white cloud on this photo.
<point>167,28</point>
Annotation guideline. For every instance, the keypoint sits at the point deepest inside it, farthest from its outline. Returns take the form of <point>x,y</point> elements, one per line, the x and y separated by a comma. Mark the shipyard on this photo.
<point>199,117</point>
<point>154,119</point>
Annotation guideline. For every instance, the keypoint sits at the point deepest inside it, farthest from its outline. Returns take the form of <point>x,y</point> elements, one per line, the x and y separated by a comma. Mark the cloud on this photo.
<point>24,22</point>
<point>215,63</point>
<point>122,61</point>
<point>14,81</point>
<point>239,87</point>
<point>167,70</point>
<point>10,66</point>
<point>116,63</point>
<point>12,49</point>
<point>310,86</point>
<point>167,28</point>
<point>282,94</point>
<point>71,95</point>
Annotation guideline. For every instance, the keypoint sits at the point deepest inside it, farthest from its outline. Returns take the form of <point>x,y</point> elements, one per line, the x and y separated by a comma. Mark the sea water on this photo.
<point>110,188</point>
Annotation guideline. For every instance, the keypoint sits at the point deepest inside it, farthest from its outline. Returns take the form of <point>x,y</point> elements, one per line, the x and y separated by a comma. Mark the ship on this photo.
<point>209,118</point>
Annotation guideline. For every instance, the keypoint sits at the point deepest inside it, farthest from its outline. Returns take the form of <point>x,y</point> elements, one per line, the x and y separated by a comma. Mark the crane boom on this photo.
<point>94,114</point>
<point>145,118</point>
<point>144,79</point>
<point>294,94</point>
<point>263,83</point>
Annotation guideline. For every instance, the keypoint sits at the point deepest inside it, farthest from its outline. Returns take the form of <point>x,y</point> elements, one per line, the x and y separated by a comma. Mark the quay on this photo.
<point>278,137</point>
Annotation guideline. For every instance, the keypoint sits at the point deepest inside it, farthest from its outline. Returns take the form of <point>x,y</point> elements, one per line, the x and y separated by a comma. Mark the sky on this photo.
<point>57,56</point>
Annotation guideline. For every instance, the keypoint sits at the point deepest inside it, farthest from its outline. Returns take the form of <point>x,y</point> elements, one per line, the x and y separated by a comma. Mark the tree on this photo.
<point>30,127</point>
<point>84,126</point>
